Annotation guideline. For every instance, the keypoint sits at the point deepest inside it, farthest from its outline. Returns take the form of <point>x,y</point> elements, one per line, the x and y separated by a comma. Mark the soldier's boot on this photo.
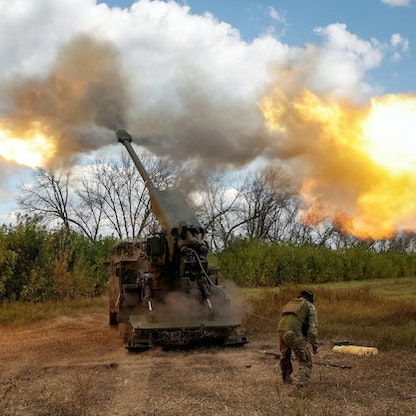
<point>286,372</point>
<point>287,380</point>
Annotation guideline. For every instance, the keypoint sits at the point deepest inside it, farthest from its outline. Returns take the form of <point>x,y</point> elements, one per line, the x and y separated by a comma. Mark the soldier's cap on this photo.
<point>307,294</point>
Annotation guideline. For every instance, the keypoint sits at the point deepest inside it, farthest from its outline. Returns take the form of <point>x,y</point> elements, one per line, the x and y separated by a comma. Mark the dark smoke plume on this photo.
<point>79,104</point>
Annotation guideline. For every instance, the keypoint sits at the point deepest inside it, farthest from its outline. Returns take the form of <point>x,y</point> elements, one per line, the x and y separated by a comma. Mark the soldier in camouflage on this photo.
<point>298,326</point>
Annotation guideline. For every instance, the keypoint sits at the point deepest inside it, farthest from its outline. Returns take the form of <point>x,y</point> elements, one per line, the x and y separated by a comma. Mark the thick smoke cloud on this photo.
<point>79,103</point>
<point>185,86</point>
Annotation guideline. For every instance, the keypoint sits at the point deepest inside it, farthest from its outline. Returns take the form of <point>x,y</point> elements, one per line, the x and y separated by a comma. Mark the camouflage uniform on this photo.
<point>298,325</point>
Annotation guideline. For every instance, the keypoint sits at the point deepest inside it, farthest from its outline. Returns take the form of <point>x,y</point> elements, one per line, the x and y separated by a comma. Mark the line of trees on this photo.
<point>69,223</point>
<point>38,264</point>
<point>255,263</point>
<point>109,198</point>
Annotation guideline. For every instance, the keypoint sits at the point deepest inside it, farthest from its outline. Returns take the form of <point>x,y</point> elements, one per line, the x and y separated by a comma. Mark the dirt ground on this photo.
<point>74,366</point>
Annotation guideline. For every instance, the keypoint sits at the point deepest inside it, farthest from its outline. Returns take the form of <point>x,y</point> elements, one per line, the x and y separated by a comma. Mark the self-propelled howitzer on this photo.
<point>162,289</point>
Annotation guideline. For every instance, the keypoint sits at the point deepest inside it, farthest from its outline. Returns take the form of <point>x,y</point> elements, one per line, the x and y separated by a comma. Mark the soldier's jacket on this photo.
<point>299,315</point>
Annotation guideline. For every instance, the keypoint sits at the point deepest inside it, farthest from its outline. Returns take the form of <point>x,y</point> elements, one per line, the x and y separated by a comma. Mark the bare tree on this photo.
<point>89,210</point>
<point>269,204</point>
<point>403,241</point>
<point>116,191</point>
<point>51,199</point>
<point>218,211</point>
<point>109,198</point>
<point>262,206</point>
<point>47,197</point>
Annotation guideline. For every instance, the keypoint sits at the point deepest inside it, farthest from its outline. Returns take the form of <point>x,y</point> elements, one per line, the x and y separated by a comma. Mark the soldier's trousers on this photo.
<point>290,340</point>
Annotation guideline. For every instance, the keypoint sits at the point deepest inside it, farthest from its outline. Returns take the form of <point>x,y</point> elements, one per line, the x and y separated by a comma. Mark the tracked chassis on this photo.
<point>182,334</point>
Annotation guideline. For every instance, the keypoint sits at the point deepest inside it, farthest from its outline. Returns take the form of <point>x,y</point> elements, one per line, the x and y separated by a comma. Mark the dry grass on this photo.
<point>77,366</point>
<point>23,313</point>
<point>381,313</point>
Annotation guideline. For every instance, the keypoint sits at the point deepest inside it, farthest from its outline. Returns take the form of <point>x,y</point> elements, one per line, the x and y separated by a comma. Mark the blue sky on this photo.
<point>294,22</point>
<point>367,19</point>
<point>186,77</point>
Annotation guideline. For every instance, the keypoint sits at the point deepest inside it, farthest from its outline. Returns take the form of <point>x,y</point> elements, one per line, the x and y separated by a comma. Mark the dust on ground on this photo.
<point>78,366</point>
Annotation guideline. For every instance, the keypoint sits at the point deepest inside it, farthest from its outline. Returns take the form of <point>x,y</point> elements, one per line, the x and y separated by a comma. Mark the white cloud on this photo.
<point>278,17</point>
<point>275,15</point>
<point>344,61</point>
<point>396,3</point>
<point>400,46</point>
<point>365,54</point>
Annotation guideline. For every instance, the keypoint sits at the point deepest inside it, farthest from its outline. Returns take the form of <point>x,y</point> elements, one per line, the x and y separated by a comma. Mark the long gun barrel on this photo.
<point>125,138</point>
<point>169,206</point>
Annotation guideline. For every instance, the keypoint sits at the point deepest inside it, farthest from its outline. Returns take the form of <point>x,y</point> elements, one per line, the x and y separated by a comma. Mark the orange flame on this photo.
<point>358,162</point>
<point>31,148</point>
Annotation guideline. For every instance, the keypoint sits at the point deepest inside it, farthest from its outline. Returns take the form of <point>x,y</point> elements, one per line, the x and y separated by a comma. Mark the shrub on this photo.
<point>37,265</point>
<point>254,263</point>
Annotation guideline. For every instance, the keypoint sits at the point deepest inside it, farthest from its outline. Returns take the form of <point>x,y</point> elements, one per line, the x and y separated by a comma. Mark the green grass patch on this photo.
<point>23,313</point>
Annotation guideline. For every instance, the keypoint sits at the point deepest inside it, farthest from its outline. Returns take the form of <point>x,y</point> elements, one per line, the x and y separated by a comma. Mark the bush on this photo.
<point>7,264</point>
<point>251,263</point>
<point>38,265</point>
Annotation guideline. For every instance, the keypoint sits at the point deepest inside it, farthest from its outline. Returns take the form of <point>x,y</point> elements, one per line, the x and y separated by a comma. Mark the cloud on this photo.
<point>275,15</point>
<point>83,93</point>
<point>342,62</point>
<point>396,3</point>
<point>363,54</point>
<point>400,46</point>
<point>185,85</point>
